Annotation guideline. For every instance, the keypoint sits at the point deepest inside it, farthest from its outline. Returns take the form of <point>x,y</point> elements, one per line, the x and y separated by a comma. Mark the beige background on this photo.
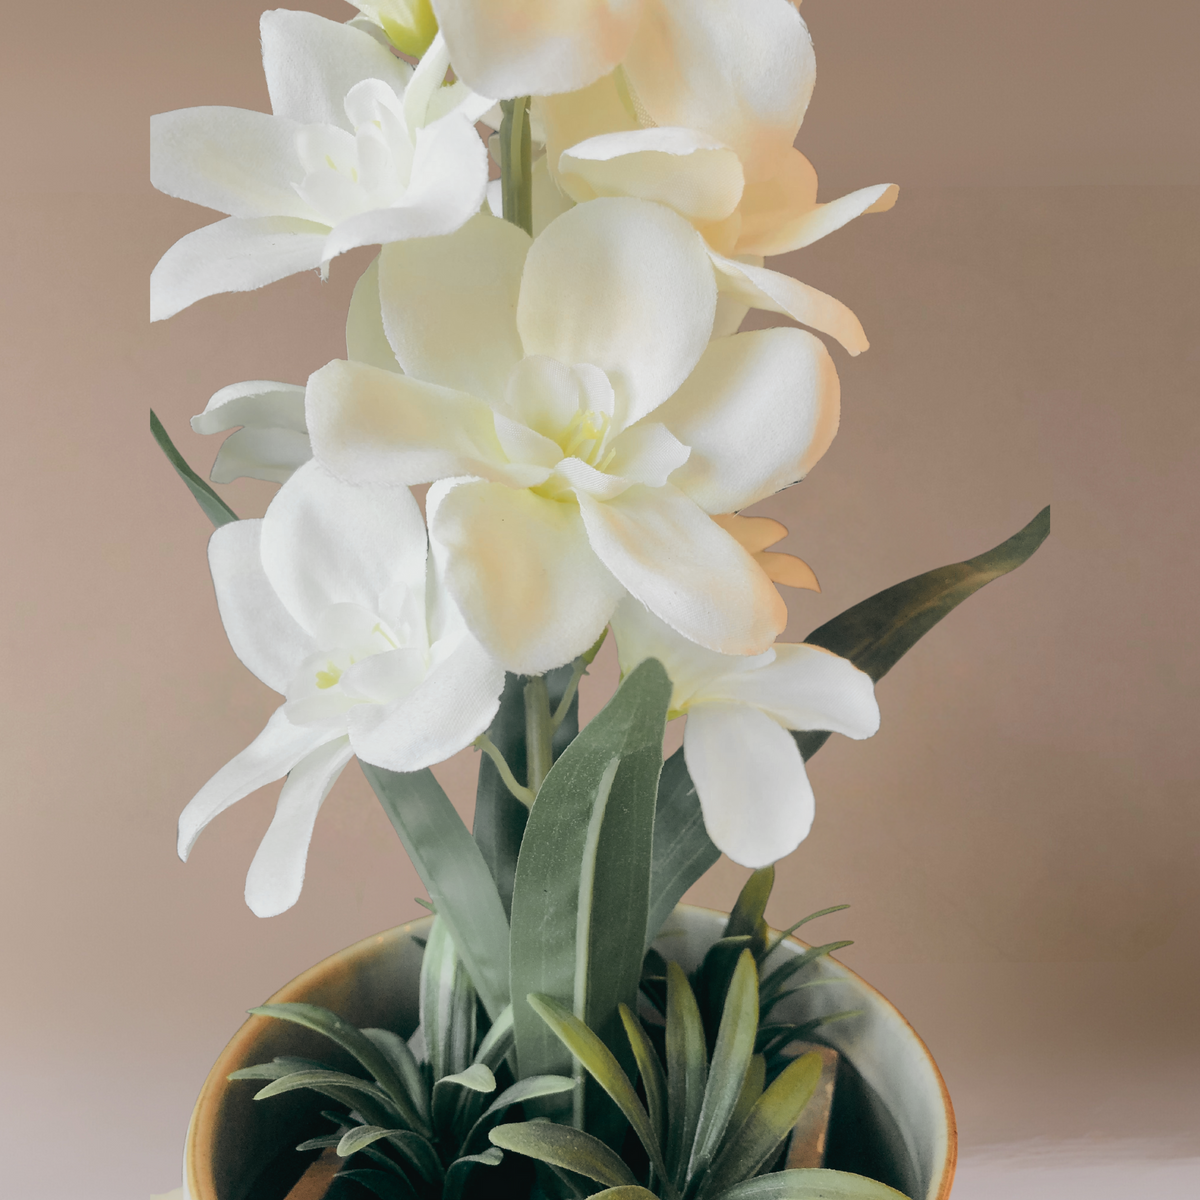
<point>1020,840</point>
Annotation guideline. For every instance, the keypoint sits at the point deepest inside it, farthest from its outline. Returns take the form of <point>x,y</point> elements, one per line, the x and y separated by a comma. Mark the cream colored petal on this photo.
<point>685,170</point>
<point>535,47</point>
<point>449,305</point>
<point>521,571</point>
<point>775,292</point>
<point>758,411</point>
<point>807,687</point>
<point>374,426</point>
<point>366,341</point>
<point>745,81</point>
<point>769,204</point>
<point>647,452</point>
<point>685,569</point>
<point>625,285</point>
<point>573,117</point>
<point>750,780</point>
<point>806,227</point>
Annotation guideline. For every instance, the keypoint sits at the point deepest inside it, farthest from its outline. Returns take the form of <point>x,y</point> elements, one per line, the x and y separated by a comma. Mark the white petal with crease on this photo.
<point>277,873</point>
<point>750,780</point>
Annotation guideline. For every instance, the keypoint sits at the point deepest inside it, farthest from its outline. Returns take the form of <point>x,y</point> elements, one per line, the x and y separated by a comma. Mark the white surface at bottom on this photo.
<point>1085,1169</point>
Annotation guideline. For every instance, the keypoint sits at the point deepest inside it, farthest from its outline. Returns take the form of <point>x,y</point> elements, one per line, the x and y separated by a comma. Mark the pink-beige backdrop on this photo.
<point>1019,842</point>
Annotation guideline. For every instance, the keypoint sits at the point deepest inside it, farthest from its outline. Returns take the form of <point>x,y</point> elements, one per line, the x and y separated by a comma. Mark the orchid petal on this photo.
<point>750,780</point>
<point>271,755</point>
<point>758,411</point>
<point>235,255</point>
<point>574,117</point>
<point>625,285</point>
<point>239,162</point>
<point>449,178</point>
<point>272,455</point>
<point>277,873</point>
<point>366,341</point>
<point>449,305</point>
<point>685,568</point>
<point>809,226</point>
<point>311,63</point>
<point>806,687</point>
<point>537,47</point>
<point>263,634</point>
<point>745,81</point>
<point>326,542</point>
<point>376,427</point>
<point>521,572</point>
<point>648,452</point>
<point>453,705</point>
<point>257,403</point>
<point>685,170</point>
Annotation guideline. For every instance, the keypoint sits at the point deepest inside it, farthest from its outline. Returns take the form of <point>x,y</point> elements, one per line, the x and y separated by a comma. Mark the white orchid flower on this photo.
<point>565,393</point>
<point>328,601</point>
<point>749,774</point>
<point>701,115</point>
<point>360,149</point>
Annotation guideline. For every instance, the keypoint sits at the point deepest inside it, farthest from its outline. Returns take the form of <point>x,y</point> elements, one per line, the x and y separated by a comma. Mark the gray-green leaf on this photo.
<point>811,1183</point>
<point>562,1146</point>
<point>214,508</point>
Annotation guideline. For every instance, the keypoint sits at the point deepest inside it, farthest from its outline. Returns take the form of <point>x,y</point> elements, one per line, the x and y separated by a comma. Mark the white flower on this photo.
<point>566,393</point>
<point>749,774</point>
<point>328,601</point>
<point>701,115</point>
<point>361,149</point>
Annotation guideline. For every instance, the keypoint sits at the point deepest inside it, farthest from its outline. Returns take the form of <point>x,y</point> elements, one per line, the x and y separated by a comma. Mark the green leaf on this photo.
<point>454,874</point>
<point>361,1136</point>
<point>687,1071</point>
<point>730,1060</point>
<point>386,1187</point>
<point>336,1084</point>
<point>395,1048</point>
<point>325,1142</point>
<point>630,1191</point>
<point>284,1065</point>
<point>604,1068</point>
<point>876,632</point>
<point>460,1170</point>
<point>532,1088</point>
<point>353,1041</point>
<point>215,509</point>
<point>712,979</point>
<point>447,1004</point>
<point>583,877</point>
<point>498,1040</point>
<point>773,984</point>
<point>562,1146</point>
<point>499,816</point>
<point>768,1123</point>
<point>650,1069</point>
<point>785,934</point>
<point>811,1183</point>
<point>747,916</point>
<point>683,851</point>
<point>752,1087</point>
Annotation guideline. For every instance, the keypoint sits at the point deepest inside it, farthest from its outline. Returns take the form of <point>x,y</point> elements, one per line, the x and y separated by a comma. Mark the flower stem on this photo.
<point>582,663</point>
<point>538,733</point>
<point>516,163</point>
<point>485,743</point>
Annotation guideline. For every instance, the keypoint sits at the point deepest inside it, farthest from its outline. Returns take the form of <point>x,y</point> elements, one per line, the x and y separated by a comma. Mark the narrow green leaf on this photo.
<point>353,1041</point>
<point>752,1088</point>
<point>712,979</point>
<point>562,1146</point>
<point>421,1156</point>
<point>498,1040</point>
<point>386,1187</point>
<point>650,1069</point>
<point>787,933</point>
<point>214,508</point>
<point>327,1082</point>
<point>447,1004</point>
<point>454,1104</point>
<point>768,1123</point>
<point>630,1191</point>
<point>325,1142</point>
<point>747,915</point>
<point>687,1071</point>
<point>811,1183</point>
<point>878,631</point>
<point>454,874</point>
<point>583,877</point>
<point>683,851</point>
<point>278,1069</point>
<point>361,1136</point>
<point>459,1171</point>
<point>396,1050</point>
<point>774,983</point>
<point>499,816</point>
<point>730,1060</point>
<point>523,1090</point>
<point>604,1068</point>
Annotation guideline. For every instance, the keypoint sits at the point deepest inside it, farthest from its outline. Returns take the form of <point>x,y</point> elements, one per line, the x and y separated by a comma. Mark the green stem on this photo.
<point>485,743</point>
<point>538,733</point>
<point>582,663</point>
<point>516,163</point>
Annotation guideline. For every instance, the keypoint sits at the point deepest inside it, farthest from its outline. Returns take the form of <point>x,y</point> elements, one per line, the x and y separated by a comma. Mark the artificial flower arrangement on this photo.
<point>555,350</point>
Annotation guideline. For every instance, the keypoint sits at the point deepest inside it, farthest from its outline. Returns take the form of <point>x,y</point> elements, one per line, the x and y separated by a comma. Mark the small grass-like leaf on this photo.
<point>687,1071</point>
<point>810,1183</point>
<point>562,1146</point>
<point>651,1072</point>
